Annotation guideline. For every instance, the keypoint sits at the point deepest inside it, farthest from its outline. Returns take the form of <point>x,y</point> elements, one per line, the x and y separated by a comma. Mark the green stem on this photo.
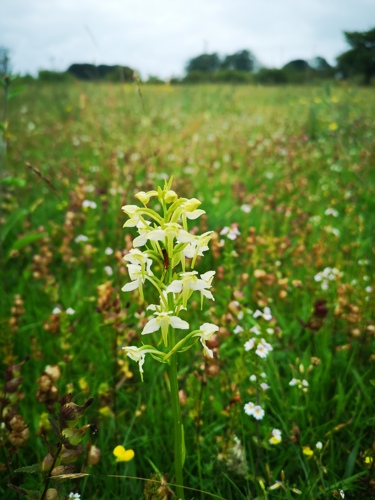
<point>177,423</point>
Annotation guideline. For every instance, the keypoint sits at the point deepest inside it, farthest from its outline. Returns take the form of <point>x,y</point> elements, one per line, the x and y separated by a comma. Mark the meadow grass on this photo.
<point>292,169</point>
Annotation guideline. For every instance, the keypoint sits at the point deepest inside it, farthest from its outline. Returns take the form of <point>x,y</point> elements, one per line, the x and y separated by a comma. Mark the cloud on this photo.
<point>158,37</point>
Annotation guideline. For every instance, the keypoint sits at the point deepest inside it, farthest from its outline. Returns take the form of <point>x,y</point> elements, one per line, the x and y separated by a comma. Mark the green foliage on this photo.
<point>204,63</point>
<point>54,76</point>
<point>360,59</point>
<point>92,72</point>
<point>242,60</point>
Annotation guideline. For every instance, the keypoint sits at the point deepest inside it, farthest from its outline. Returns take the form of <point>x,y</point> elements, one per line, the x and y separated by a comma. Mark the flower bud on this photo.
<point>45,382</point>
<point>145,197</point>
<point>19,438</point>
<point>94,455</point>
<point>52,494</point>
<point>192,204</point>
<point>48,461</point>
<point>68,456</point>
<point>170,196</point>
<point>54,372</point>
<point>62,469</point>
<point>71,412</point>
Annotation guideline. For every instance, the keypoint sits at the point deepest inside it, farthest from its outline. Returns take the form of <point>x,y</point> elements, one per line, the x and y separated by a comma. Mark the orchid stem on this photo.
<point>177,423</point>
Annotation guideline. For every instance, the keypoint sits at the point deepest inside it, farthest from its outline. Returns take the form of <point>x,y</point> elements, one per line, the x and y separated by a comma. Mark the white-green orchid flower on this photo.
<point>205,333</point>
<point>189,283</point>
<point>162,321</point>
<point>135,257</point>
<point>138,276</point>
<point>138,354</point>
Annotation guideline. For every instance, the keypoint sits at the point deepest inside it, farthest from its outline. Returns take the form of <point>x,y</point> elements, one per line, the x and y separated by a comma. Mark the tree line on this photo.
<point>241,67</point>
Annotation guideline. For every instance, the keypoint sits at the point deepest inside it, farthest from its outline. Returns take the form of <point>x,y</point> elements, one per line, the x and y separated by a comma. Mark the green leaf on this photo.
<point>13,181</point>
<point>183,447</point>
<point>35,495</point>
<point>29,469</point>
<point>12,221</point>
<point>351,461</point>
<point>26,240</point>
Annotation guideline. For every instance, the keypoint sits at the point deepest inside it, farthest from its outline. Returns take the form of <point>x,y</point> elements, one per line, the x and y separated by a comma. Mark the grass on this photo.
<point>288,153</point>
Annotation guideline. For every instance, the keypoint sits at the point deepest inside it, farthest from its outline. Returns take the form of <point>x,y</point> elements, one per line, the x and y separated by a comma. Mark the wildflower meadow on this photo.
<point>187,301</point>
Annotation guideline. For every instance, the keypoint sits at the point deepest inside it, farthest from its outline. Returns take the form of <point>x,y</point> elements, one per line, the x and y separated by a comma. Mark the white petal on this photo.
<point>130,286</point>
<point>179,323</point>
<point>174,287</point>
<point>195,214</point>
<point>208,275</point>
<point>139,241</point>
<point>156,235</point>
<point>185,237</point>
<point>207,294</point>
<point>151,326</point>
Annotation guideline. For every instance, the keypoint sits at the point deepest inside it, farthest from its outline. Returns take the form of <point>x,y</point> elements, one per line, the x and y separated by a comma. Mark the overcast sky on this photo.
<point>158,37</point>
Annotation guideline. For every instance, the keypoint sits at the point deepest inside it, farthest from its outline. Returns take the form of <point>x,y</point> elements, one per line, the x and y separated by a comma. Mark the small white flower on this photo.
<point>267,314</point>
<point>246,208</point>
<point>276,437</point>
<point>70,311</point>
<point>331,211</point>
<point>258,412</point>
<point>238,329</point>
<point>89,204</point>
<point>249,344</point>
<point>76,496</point>
<point>319,445</point>
<point>56,310</point>
<point>108,251</point>
<point>261,351</point>
<point>293,382</point>
<point>255,330</point>
<point>81,237</point>
<point>249,408</point>
<point>265,386</point>
<point>253,378</point>
<point>108,270</point>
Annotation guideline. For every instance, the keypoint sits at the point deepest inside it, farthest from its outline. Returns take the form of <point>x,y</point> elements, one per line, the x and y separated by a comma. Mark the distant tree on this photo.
<point>205,62</point>
<point>155,80</point>
<point>242,60</point>
<point>297,65</point>
<point>320,64</point>
<point>54,76</point>
<point>360,59</point>
<point>271,76</point>
<point>84,71</point>
<point>4,61</point>
<point>87,71</point>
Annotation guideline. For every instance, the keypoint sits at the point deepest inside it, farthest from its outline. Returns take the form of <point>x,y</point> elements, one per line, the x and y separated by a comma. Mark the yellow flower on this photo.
<point>333,126</point>
<point>83,385</point>
<point>306,450</point>
<point>334,99</point>
<point>368,460</point>
<point>106,411</point>
<point>123,455</point>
